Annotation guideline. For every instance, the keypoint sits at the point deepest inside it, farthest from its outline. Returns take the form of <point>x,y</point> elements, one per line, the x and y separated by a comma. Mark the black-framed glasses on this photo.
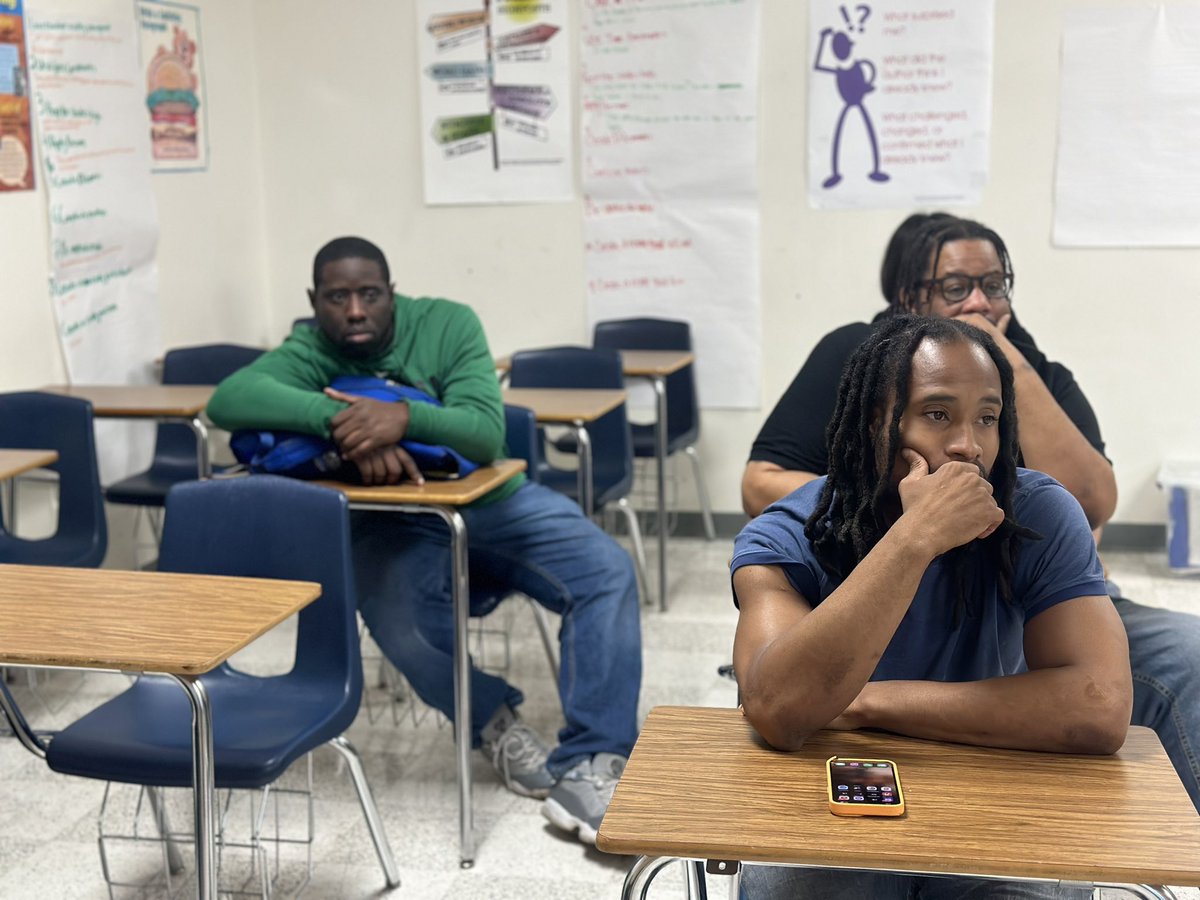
<point>957,288</point>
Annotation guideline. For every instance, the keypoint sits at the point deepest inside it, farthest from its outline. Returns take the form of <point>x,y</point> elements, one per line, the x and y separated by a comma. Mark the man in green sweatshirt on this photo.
<point>521,536</point>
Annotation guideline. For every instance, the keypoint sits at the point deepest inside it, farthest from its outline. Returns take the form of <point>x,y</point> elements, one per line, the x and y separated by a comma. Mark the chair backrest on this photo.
<point>37,421</point>
<point>175,444</point>
<point>264,526</point>
<point>522,438</point>
<point>585,367</point>
<point>206,363</point>
<point>683,407</point>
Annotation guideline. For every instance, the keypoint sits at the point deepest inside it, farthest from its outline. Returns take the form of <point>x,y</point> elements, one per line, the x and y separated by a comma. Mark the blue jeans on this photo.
<point>780,883</point>
<point>536,542</point>
<point>1164,654</point>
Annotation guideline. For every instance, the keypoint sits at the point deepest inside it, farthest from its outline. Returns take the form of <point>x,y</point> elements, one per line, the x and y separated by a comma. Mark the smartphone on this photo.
<point>864,787</point>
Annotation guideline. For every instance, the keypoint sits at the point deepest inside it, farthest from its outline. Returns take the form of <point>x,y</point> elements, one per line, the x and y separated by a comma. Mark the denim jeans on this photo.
<point>539,543</point>
<point>780,883</point>
<point>1164,654</point>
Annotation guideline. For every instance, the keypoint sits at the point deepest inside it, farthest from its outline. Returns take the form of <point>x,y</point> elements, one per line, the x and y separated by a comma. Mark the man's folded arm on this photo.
<point>799,667</point>
<point>272,396</point>
<point>1076,697</point>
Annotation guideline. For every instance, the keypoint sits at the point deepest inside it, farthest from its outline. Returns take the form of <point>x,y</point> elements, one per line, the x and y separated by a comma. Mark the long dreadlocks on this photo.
<point>854,510</point>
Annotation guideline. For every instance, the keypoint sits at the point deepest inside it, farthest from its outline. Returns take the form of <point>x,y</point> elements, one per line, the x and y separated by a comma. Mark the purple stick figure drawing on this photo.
<point>854,82</point>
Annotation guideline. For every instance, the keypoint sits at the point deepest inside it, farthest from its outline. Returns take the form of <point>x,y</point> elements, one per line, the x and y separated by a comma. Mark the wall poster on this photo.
<point>495,100</point>
<point>669,135</point>
<point>16,136</point>
<point>95,153</point>
<point>173,61</point>
<point>899,103</point>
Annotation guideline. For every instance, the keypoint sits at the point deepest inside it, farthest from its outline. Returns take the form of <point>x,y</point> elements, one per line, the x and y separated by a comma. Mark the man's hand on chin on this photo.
<point>366,425</point>
<point>388,465</point>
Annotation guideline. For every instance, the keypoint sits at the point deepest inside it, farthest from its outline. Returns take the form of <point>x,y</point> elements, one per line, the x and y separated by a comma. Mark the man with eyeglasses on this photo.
<point>943,266</point>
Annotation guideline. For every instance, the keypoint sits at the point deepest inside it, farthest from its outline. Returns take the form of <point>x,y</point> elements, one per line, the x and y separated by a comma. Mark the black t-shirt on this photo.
<point>793,436</point>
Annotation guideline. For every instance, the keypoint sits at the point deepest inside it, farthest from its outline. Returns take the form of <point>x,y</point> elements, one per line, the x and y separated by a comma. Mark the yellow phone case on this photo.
<point>840,808</point>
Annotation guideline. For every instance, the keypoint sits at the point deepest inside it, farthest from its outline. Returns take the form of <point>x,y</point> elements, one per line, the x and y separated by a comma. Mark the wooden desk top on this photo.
<point>137,401</point>
<point>645,363</point>
<point>15,462</point>
<point>636,362</point>
<point>454,492</point>
<point>137,621</point>
<point>565,404</point>
<point>701,784</point>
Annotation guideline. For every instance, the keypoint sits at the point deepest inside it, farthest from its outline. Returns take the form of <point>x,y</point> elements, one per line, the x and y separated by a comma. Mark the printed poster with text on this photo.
<point>495,100</point>
<point>899,103</point>
<point>172,59</point>
<point>669,136</point>
<point>95,151</point>
<point>16,137</point>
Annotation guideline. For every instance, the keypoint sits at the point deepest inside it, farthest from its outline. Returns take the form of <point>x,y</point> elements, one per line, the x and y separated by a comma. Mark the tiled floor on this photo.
<point>48,822</point>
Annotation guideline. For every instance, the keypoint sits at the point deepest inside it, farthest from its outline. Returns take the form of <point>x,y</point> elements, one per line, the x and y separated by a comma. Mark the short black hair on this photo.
<point>349,248</point>
<point>852,513</point>
<point>918,243</point>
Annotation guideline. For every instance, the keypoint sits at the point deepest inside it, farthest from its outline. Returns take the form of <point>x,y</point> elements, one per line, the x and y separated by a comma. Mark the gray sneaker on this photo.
<point>517,753</point>
<point>578,801</point>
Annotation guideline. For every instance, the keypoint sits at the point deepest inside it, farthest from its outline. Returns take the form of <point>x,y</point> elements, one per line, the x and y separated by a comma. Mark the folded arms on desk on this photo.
<point>803,667</point>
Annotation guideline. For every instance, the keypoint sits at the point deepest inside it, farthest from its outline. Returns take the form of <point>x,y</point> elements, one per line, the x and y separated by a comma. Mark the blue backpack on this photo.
<point>309,456</point>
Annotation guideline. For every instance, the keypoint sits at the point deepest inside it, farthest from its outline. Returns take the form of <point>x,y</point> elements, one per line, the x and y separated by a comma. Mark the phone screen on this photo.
<point>866,781</point>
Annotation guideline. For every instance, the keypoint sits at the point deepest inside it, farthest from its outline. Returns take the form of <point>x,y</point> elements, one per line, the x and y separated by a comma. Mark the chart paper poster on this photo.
<point>899,103</point>
<point>172,60</point>
<point>95,151</point>
<point>16,138</point>
<point>495,100</point>
<point>1128,169</point>
<point>669,143</point>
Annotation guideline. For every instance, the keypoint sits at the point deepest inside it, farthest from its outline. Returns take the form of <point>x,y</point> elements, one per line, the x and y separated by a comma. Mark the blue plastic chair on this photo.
<point>37,421</point>
<point>683,407</point>
<point>612,446</point>
<point>260,526</point>
<point>174,458</point>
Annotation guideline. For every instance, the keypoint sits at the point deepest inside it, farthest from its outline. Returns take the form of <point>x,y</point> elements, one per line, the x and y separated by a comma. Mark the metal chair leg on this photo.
<point>710,530</point>
<point>543,624</point>
<point>370,811</point>
<point>697,886</point>
<point>639,548</point>
<point>159,811</point>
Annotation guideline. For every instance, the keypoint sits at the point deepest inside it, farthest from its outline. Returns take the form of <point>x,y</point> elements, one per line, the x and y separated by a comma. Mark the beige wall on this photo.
<point>314,132</point>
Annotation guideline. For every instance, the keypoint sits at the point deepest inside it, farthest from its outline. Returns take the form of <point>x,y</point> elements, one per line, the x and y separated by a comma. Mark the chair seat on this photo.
<point>566,481</point>
<point>260,727</point>
<point>78,551</point>
<point>148,488</point>
<point>644,440</point>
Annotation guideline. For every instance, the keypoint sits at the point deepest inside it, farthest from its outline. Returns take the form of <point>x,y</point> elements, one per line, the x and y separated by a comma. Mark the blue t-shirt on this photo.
<point>928,645</point>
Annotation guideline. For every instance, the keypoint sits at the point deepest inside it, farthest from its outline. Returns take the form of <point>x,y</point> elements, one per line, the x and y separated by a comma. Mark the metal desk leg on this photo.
<point>8,505</point>
<point>203,786</point>
<point>586,483</point>
<point>460,597</point>
<point>460,593</point>
<point>203,462</point>
<point>644,871</point>
<point>660,462</point>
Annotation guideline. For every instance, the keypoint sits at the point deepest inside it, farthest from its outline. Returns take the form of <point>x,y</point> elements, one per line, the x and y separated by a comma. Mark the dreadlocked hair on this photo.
<point>916,248</point>
<point>855,508</point>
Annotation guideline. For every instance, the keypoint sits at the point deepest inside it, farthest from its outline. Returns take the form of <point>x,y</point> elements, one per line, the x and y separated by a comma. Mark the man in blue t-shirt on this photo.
<point>927,586</point>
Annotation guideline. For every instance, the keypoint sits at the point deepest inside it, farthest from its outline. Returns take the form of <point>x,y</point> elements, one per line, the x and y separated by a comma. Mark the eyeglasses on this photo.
<point>957,288</point>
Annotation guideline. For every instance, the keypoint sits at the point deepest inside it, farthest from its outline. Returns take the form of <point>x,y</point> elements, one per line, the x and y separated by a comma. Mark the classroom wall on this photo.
<point>211,278</point>
<point>314,132</point>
